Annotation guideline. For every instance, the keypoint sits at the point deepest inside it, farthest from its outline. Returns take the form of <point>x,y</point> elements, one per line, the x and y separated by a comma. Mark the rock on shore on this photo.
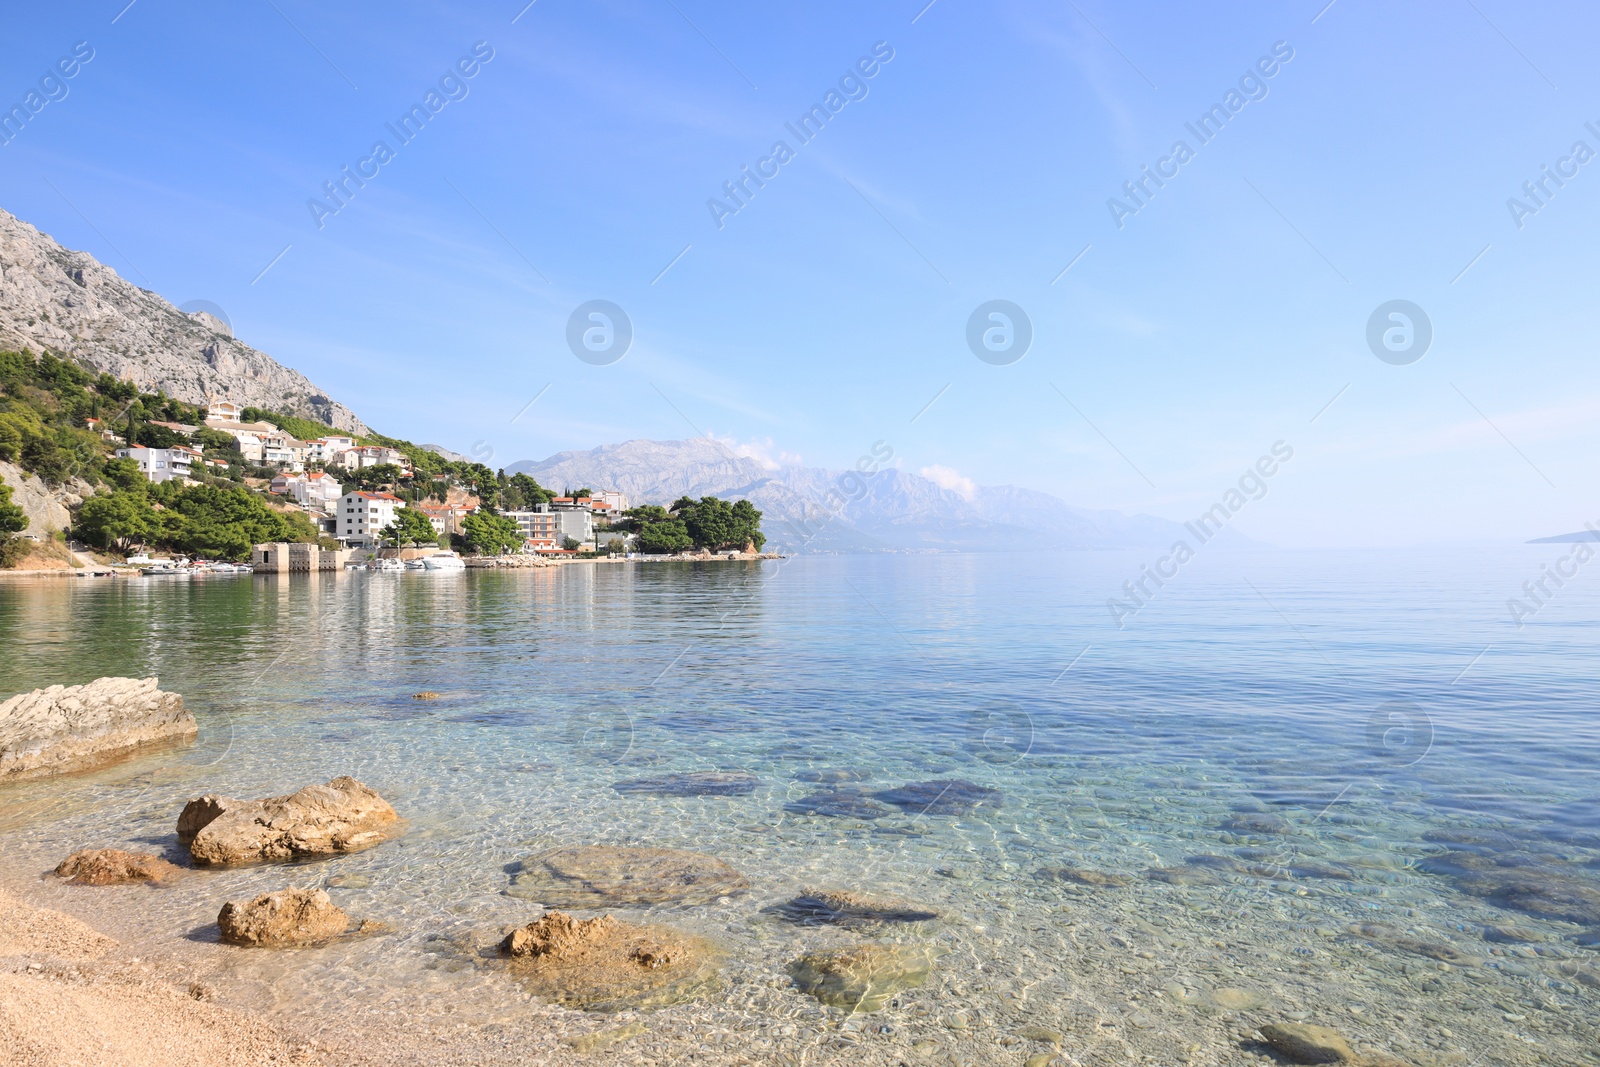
<point>112,866</point>
<point>287,917</point>
<point>606,964</point>
<point>80,727</point>
<point>342,816</point>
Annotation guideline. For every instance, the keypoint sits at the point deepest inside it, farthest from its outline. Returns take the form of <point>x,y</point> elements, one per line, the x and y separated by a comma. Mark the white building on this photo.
<point>317,491</point>
<point>281,449</point>
<point>252,436</point>
<point>361,517</point>
<point>326,450</point>
<point>614,501</point>
<point>372,456</point>
<point>162,464</point>
<point>446,518</point>
<point>549,526</point>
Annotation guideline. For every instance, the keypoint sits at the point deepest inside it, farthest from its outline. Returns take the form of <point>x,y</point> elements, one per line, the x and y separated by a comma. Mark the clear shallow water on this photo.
<point>1376,704</point>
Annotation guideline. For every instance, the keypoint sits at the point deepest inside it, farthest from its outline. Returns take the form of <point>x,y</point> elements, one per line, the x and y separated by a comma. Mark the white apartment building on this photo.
<point>252,436</point>
<point>281,449</point>
<point>360,517</point>
<point>317,491</point>
<point>162,464</point>
<point>326,450</point>
<point>550,527</point>
<point>372,456</point>
<point>614,501</point>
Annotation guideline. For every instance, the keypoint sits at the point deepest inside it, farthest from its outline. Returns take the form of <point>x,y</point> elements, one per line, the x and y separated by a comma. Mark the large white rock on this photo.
<point>75,728</point>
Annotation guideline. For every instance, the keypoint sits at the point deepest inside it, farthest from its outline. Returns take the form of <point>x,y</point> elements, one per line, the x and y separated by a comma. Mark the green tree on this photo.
<point>119,521</point>
<point>410,527</point>
<point>205,520</point>
<point>370,478</point>
<point>522,492</point>
<point>152,436</point>
<point>12,518</point>
<point>709,522</point>
<point>747,525</point>
<point>664,537</point>
<point>125,474</point>
<point>12,521</point>
<point>491,534</point>
<point>638,518</point>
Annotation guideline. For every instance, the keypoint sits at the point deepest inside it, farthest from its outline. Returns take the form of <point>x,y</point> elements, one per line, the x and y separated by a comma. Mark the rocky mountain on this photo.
<point>808,509</point>
<point>71,304</point>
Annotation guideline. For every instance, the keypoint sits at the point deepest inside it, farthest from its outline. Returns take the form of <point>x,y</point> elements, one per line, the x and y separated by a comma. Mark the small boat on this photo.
<point>444,561</point>
<point>165,570</point>
<point>415,565</point>
<point>388,566</point>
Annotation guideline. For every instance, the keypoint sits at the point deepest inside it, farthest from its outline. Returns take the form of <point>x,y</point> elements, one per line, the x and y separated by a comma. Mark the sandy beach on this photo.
<point>69,995</point>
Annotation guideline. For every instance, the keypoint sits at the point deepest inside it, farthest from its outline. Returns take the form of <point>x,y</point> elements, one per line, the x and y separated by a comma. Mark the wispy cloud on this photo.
<point>953,480</point>
<point>762,451</point>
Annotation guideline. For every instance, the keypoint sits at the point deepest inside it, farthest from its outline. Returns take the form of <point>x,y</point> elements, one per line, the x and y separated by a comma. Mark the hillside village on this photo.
<point>227,482</point>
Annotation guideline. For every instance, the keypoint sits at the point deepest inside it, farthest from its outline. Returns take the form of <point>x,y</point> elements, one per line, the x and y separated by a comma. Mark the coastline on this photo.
<point>483,563</point>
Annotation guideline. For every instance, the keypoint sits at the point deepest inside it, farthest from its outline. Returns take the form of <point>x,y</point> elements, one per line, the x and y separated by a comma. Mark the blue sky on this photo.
<point>826,314</point>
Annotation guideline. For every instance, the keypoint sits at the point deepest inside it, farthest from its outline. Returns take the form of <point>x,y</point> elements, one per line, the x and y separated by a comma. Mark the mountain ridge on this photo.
<point>59,300</point>
<point>884,509</point>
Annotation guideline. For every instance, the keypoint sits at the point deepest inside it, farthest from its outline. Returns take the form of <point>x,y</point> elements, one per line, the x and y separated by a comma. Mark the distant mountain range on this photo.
<point>52,298</point>
<point>809,509</point>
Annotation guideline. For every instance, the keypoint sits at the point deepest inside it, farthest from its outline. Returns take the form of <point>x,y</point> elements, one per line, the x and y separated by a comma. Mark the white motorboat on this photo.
<point>388,566</point>
<point>414,565</point>
<point>444,561</point>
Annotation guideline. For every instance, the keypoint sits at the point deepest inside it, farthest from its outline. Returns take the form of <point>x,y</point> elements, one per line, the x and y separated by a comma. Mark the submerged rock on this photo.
<point>1257,823</point>
<point>1080,876</point>
<point>602,876</point>
<point>1317,869</point>
<point>1305,1043</point>
<point>862,978</point>
<point>287,917</point>
<point>1535,884</point>
<point>1383,934</point>
<point>833,775</point>
<point>843,803</point>
<point>112,866</point>
<point>840,907</point>
<point>943,796</point>
<point>74,728</point>
<point>604,964</point>
<point>342,816</point>
<point>1183,875</point>
<point>692,784</point>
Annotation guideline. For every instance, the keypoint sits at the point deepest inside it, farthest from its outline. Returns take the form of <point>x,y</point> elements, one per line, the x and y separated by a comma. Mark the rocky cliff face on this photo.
<point>70,303</point>
<point>47,509</point>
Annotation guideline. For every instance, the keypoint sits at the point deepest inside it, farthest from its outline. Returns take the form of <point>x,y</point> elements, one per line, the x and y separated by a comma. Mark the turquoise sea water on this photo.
<point>1367,797</point>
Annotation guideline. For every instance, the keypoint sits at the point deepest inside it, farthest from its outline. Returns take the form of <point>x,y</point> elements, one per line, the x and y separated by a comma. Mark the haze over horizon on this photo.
<point>1378,161</point>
